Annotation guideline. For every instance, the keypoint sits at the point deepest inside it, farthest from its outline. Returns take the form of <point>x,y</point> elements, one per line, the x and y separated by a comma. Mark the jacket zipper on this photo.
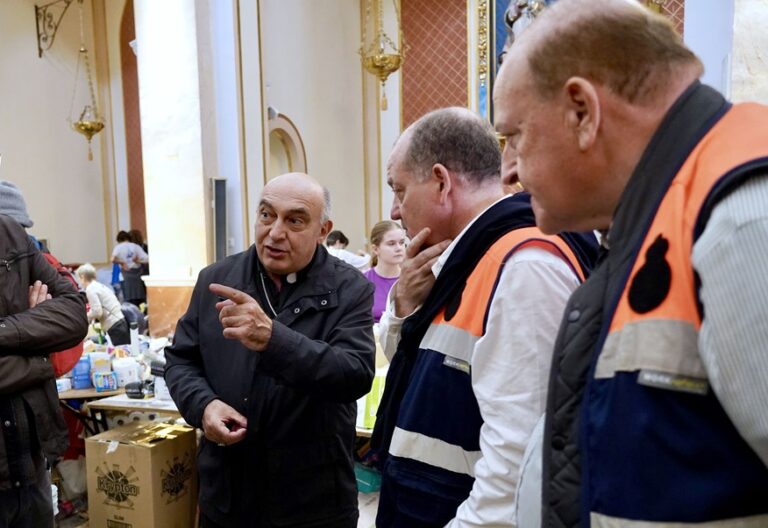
<point>7,263</point>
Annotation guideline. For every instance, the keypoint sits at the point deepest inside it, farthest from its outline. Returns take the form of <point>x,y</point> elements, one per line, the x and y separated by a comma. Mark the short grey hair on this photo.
<point>87,271</point>
<point>326,214</point>
<point>457,138</point>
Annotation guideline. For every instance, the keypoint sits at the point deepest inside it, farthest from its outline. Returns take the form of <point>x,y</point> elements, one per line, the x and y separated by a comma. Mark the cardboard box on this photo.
<point>142,475</point>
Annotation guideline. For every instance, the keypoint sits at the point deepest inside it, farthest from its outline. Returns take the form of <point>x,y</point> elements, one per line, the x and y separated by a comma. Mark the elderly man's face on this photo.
<point>289,225</point>
<point>539,150</point>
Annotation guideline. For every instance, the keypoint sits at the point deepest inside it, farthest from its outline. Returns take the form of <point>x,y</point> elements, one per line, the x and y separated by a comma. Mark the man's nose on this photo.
<point>509,167</point>
<point>277,230</point>
<point>394,213</point>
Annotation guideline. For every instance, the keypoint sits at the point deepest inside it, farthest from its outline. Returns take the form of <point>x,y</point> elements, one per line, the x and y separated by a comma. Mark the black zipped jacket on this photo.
<point>295,466</point>
<point>27,336</point>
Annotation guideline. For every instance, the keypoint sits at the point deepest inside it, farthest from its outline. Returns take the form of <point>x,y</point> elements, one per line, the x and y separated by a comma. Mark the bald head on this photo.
<point>455,137</point>
<point>579,96</point>
<point>304,184</point>
<point>443,171</point>
<point>616,43</point>
<point>292,222</point>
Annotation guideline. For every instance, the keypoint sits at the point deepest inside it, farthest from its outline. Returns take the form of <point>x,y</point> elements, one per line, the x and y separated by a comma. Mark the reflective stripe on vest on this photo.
<point>662,334</point>
<point>604,521</point>
<point>658,449</point>
<point>433,451</point>
<point>450,343</point>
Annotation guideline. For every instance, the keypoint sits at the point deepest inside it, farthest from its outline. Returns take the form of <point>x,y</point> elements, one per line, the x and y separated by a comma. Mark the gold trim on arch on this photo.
<point>263,107</point>
<point>241,129</point>
<point>483,60</point>
<point>364,101</point>
<point>291,139</point>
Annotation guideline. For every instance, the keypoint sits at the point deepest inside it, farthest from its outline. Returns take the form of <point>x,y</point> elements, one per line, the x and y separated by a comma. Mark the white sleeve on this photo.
<point>361,262</point>
<point>94,304</point>
<point>730,260</point>
<point>143,257</point>
<point>390,326</point>
<point>389,332</point>
<point>510,372</point>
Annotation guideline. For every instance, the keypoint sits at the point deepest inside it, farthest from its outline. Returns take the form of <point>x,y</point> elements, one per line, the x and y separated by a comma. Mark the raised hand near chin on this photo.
<point>416,277</point>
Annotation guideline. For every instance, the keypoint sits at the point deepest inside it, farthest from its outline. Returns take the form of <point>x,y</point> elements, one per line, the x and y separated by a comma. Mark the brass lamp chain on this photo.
<point>83,54</point>
<point>90,122</point>
<point>369,48</point>
<point>87,61</point>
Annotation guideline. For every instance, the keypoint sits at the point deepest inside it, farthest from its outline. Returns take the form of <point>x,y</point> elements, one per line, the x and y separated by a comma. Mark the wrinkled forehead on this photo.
<point>514,77</point>
<point>396,172</point>
<point>295,197</point>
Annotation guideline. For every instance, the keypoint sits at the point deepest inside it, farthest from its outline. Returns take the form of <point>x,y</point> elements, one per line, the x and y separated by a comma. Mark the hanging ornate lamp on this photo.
<point>90,122</point>
<point>381,56</point>
<point>655,5</point>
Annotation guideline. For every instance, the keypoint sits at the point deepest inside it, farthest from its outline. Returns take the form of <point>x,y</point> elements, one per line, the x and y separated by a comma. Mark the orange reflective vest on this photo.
<point>657,444</point>
<point>436,441</point>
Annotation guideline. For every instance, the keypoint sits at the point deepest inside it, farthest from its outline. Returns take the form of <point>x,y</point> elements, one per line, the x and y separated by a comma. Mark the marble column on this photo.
<point>175,184</point>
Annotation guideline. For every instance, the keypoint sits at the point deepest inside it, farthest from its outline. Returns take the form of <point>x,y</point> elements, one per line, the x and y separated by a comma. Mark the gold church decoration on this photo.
<point>655,5</point>
<point>90,122</point>
<point>381,56</point>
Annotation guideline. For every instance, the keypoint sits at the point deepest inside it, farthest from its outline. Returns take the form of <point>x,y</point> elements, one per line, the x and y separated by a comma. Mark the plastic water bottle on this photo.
<point>134,326</point>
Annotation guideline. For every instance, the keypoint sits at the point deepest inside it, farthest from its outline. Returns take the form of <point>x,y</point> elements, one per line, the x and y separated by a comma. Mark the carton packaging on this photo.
<point>142,475</point>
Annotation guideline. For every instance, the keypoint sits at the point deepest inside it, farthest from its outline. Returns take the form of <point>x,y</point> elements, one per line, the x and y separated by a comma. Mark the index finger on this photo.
<point>432,252</point>
<point>236,296</point>
<point>414,247</point>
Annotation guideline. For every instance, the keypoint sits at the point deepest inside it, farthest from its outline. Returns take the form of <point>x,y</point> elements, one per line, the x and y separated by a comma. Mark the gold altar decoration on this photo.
<point>90,122</point>
<point>655,5</point>
<point>381,56</point>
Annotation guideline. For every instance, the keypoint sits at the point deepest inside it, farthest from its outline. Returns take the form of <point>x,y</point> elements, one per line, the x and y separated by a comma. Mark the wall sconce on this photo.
<point>48,18</point>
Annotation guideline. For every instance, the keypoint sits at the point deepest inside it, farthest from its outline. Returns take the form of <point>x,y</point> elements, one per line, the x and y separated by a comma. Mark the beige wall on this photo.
<point>750,52</point>
<point>41,154</point>
<point>312,75</point>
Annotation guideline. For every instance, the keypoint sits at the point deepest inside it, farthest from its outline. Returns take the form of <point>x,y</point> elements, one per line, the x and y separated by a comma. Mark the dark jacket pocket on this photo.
<point>420,497</point>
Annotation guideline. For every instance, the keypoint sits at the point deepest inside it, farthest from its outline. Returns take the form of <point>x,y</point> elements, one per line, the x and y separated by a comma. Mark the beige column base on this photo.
<point>167,300</point>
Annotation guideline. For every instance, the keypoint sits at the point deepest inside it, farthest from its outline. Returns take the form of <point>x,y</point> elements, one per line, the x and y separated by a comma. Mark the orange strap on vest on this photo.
<point>482,281</point>
<point>740,137</point>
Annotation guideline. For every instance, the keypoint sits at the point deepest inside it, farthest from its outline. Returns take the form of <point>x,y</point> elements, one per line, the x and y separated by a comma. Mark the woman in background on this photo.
<point>388,248</point>
<point>103,306</point>
<point>130,257</point>
<point>137,237</point>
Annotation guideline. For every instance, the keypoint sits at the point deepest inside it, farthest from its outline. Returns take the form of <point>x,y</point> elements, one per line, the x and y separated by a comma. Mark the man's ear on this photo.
<point>444,180</point>
<point>325,228</point>
<point>582,110</point>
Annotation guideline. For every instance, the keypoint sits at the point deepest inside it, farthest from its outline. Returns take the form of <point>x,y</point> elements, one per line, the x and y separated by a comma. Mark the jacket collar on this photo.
<point>315,279</point>
<point>693,114</point>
